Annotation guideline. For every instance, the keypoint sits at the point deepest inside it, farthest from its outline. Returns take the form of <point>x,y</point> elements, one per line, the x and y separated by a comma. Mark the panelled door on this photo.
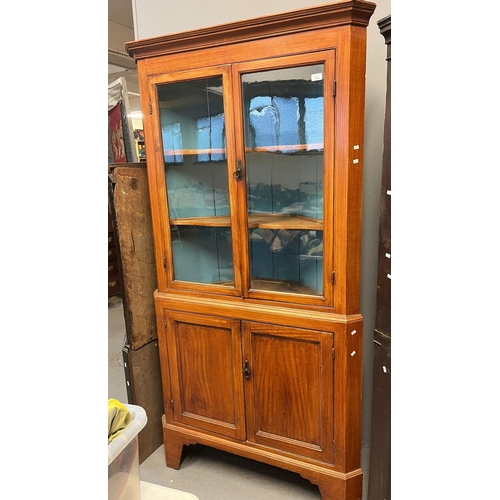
<point>289,389</point>
<point>205,367</point>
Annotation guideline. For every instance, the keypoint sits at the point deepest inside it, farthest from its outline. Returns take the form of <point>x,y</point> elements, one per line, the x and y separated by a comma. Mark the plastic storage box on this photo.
<point>123,466</point>
<point>123,458</point>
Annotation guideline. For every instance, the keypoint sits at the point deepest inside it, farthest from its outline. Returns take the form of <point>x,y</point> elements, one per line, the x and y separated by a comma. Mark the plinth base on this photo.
<point>333,485</point>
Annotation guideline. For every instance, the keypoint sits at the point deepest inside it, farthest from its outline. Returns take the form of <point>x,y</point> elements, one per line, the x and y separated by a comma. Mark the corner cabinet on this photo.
<point>254,133</point>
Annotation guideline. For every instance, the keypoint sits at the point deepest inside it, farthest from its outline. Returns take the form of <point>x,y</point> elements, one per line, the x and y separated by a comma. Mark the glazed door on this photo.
<point>205,368</point>
<point>286,152</point>
<point>245,173</point>
<point>289,389</point>
<point>193,180</point>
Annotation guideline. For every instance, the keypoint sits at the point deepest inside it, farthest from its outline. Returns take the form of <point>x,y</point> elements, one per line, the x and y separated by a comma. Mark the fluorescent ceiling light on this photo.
<point>137,115</point>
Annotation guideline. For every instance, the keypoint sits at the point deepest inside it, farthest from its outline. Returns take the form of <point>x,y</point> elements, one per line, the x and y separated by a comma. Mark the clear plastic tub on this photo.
<point>123,458</point>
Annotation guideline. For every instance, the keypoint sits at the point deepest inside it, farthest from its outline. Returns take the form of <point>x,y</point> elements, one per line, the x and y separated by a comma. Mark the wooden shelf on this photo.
<point>264,221</point>
<point>280,221</point>
<point>281,286</point>
<point>213,221</point>
<point>187,152</point>
<point>308,148</point>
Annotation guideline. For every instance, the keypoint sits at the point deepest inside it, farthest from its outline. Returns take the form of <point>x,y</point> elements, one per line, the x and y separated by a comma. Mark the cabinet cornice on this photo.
<point>353,12</point>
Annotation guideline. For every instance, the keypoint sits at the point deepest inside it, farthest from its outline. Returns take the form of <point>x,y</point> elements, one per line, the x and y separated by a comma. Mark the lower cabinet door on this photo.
<point>206,375</point>
<point>289,389</point>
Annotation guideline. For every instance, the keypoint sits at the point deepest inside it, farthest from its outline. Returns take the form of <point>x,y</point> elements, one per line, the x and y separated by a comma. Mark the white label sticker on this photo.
<point>388,192</point>
<point>353,332</point>
<point>353,353</point>
<point>316,77</point>
<point>356,147</point>
<point>355,161</point>
<point>388,255</point>
<point>385,369</point>
<point>389,276</point>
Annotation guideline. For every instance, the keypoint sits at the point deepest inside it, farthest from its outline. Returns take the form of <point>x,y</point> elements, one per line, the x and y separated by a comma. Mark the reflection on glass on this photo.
<point>275,121</point>
<point>210,138</point>
<point>283,113</point>
<point>284,117</point>
<point>313,122</point>
<point>172,143</point>
<point>287,260</point>
<point>194,147</point>
<point>202,254</point>
<point>283,109</point>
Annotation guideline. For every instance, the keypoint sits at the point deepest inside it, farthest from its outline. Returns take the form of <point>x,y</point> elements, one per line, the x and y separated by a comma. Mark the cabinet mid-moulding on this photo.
<point>254,132</point>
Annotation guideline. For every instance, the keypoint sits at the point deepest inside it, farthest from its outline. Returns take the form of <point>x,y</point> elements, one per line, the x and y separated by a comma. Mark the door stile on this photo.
<point>241,190</point>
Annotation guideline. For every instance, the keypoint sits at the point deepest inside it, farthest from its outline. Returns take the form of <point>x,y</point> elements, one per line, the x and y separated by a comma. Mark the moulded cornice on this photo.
<point>351,12</point>
<point>384,25</point>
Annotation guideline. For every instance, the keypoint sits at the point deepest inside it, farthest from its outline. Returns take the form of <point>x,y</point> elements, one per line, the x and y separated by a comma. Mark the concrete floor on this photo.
<point>208,473</point>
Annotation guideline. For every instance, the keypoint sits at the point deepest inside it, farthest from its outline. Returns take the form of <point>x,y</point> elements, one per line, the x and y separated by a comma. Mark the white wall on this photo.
<point>158,17</point>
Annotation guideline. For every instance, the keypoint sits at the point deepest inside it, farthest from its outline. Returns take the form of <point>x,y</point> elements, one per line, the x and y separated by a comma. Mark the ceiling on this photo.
<point>120,31</point>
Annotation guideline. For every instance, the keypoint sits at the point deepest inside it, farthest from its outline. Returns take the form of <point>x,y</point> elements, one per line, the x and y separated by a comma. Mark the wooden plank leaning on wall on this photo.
<point>130,198</point>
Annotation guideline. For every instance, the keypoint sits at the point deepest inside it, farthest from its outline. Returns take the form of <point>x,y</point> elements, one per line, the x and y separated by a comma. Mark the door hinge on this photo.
<point>164,262</point>
<point>150,108</point>
<point>172,404</point>
<point>333,277</point>
<point>334,88</point>
<point>333,352</point>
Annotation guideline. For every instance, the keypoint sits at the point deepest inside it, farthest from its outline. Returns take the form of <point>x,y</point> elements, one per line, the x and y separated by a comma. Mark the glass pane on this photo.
<point>194,154</point>
<point>202,254</point>
<point>286,260</point>
<point>283,113</point>
<point>194,148</point>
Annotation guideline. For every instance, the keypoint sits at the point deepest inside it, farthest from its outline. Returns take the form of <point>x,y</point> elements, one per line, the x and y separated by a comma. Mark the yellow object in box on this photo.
<point>118,418</point>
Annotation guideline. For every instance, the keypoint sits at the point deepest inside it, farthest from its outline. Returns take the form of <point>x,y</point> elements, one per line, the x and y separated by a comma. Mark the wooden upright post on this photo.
<point>379,483</point>
<point>130,198</point>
